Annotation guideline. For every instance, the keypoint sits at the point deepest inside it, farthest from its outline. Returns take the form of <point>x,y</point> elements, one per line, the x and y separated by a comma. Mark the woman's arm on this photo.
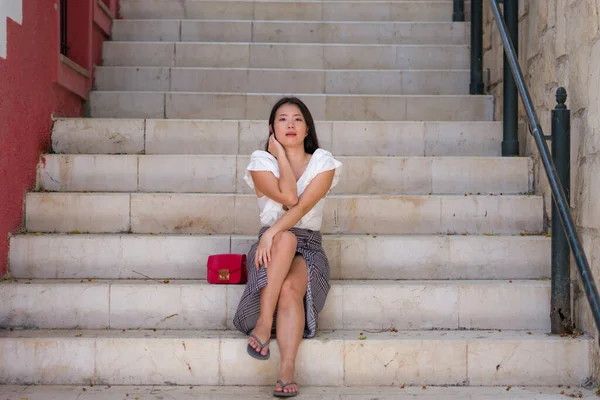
<point>315,191</point>
<point>282,190</point>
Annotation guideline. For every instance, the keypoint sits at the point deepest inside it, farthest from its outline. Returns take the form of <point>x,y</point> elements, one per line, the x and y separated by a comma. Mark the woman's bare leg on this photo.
<point>282,254</point>
<point>291,320</point>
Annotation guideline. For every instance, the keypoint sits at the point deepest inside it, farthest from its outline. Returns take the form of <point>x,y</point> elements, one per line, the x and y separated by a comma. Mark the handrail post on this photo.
<point>458,15</point>
<point>560,314</point>
<point>476,86</point>
<point>510,142</point>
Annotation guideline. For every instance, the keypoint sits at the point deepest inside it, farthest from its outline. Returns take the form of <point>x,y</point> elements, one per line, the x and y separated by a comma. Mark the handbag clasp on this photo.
<point>223,274</point>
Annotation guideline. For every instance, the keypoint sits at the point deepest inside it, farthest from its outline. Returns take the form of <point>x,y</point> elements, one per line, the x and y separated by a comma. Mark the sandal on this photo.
<point>277,393</point>
<point>256,354</point>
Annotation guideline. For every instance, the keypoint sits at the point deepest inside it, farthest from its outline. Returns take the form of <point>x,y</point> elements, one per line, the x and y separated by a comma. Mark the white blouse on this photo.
<point>270,210</point>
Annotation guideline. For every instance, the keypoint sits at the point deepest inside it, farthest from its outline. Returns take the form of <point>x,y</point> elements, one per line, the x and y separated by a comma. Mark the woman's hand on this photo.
<point>263,251</point>
<point>275,148</point>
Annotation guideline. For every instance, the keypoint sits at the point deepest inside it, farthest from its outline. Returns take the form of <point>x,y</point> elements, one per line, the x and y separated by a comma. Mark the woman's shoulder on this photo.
<point>324,160</point>
<point>261,154</point>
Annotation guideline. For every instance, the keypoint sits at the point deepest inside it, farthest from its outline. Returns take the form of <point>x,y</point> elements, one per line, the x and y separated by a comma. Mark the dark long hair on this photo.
<point>311,142</point>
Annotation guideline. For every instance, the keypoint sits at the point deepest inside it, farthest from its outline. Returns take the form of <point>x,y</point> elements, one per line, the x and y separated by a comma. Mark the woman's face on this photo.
<point>290,126</point>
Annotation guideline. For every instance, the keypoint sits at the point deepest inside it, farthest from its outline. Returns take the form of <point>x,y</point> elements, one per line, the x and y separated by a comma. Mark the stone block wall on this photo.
<point>559,45</point>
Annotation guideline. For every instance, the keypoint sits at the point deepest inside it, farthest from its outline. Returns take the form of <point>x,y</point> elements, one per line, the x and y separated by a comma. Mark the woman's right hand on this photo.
<point>275,148</point>
<point>263,251</point>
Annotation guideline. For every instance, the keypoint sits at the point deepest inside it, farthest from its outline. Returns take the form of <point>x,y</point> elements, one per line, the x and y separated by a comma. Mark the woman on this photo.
<point>288,271</point>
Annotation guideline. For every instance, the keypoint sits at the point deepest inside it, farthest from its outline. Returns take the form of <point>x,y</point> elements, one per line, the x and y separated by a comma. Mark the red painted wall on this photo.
<point>29,96</point>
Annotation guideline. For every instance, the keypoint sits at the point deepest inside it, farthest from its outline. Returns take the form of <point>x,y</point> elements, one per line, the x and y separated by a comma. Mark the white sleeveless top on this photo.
<point>270,210</point>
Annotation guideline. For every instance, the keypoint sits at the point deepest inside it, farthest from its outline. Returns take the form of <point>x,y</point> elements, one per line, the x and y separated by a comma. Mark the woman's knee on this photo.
<point>292,291</point>
<point>285,241</point>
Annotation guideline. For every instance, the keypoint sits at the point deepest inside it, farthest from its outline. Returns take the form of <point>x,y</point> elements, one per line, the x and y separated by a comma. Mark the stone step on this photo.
<point>329,107</point>
<point>284,55</point>
<point>224,174</point>
<point>343,32</point>
<point>359,138</point>
<point>147,304</point>
<point>56,256</point>
<point>289,10</point>
<point>57,392</point>
<point>244,80</point>
<point>219,358</point>
<point>236,213</point>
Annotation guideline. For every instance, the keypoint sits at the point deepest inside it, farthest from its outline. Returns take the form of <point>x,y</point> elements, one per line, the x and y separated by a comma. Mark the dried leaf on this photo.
<point>402,387</point>
<point>529,333</point>
<point>424,388</point>
<point>38,234</point>
<point>166,281</point>
<point>79,335</point>
<point>362,337</point>
<point>508,388</point>
<point>84,389</point>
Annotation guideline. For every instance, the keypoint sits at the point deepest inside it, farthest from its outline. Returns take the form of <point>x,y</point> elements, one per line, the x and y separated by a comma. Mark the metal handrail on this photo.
<point>558,193</point>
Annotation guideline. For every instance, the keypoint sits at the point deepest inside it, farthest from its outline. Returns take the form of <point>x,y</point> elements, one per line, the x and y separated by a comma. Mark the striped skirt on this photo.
<point>310,247</point>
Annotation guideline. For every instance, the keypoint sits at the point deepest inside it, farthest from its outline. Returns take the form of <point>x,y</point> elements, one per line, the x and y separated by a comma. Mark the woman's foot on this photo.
<point>286,375</point>
<point>263,334</point>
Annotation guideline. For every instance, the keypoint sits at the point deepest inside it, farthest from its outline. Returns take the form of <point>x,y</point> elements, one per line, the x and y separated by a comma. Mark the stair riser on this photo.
<point>349,362</point>
<point>214,214</point>
<point>150,79</point>
<point>350,257</point>
<point>224,174</point>
<point>404,139</point>
<point>412,306</point>
<point>323,107</point>
<point>438,33</point>
<point>295,56</point>
<point>303,11</point>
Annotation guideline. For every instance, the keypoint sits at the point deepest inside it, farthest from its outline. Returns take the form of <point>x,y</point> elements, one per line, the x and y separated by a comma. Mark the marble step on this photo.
<point>418,392</point>
<point>195,357</point>
<point>351,257</point>
<point>329,107</point>
<point>149,304</point>
<point>288,10</point>
<point>284,55</point>
<point>343,32</point>
<point>358,138</point>
<point>244,80</point>
<point>224,174</point>
<point>237,213</point>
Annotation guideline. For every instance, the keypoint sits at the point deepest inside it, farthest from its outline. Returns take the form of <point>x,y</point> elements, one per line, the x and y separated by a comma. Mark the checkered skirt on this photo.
<point>309,245</point>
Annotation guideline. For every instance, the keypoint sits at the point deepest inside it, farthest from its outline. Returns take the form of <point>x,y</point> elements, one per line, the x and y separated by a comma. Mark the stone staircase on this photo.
<point>439,258</point>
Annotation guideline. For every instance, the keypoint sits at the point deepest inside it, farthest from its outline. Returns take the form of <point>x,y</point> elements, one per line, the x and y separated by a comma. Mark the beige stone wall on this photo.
<point>559,45</point>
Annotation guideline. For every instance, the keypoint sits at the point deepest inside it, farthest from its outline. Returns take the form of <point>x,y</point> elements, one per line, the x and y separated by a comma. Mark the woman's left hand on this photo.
<point>263,251</point>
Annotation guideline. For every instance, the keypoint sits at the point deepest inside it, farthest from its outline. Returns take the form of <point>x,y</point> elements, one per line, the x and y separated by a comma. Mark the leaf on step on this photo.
<point>394,330</point>
<point>137,397</point>
<point>491,234</point>
<point>424,388</point>
<point>548,235</point>
<point>79,335</point>
<point>166,281</point>
<point>92,280</point>
<point>402,387</point>
<point>524,234</point>
<point>362,337</point>
<point>38,234</point>
<point>508,388</point>
<point>75,232</point>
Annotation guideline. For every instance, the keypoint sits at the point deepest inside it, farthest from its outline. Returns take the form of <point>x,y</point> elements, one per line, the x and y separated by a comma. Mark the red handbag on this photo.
<point>227,269</point>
